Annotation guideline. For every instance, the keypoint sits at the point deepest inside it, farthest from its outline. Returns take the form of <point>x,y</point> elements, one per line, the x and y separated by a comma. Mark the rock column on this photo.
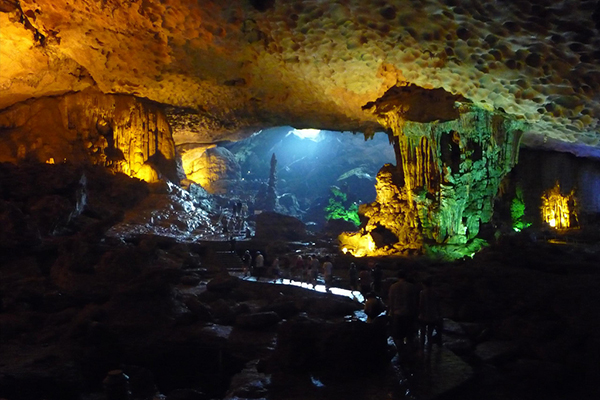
<point>443,188</point>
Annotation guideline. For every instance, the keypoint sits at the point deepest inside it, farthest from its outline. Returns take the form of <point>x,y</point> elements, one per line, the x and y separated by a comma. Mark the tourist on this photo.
<point>275,271</point>
<point>315,272</point>
<point>316,266</point>
<point>373,306</point>
<point>246,262</point>
<point>429,314</point>
<point>259,265</point>
<point>377,275</point>
<point>286,273</point>
<point>306,271</point>
<point>298,267</point>
<point>402,308</point>
<point>328,273</point>
<point>232,243</point>
<point>364,280</point>
<point>353,276</point>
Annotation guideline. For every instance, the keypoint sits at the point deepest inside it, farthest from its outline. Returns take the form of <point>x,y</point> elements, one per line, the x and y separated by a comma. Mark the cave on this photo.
<point>176,177</point>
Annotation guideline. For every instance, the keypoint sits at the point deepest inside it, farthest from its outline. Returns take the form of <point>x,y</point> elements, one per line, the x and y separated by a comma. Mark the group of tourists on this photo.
<point>234,222</point>
<point>304,269</point>
<point>409,309</point>
<point>364,279</point>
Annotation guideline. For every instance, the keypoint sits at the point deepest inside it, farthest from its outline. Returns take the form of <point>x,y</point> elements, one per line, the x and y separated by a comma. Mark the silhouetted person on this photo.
<point>364,279</point>
<point>224,223</point>
<point>353,276</point>
<point>316,266</point>
<point>306,271</point>
<point>328,273</point>
<point>430,317</point>
<point>232,243</point>
<point>373,306</point>
<point>402,302</point>
<point>259,265</point>
<point>275,270</point>
<point>298,267</point>
<point>377,275</point>
<point>314,271</point>
<point>247,261</point>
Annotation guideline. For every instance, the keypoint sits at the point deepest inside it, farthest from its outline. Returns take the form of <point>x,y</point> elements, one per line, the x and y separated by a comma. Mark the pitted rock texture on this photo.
<point>244,64</point>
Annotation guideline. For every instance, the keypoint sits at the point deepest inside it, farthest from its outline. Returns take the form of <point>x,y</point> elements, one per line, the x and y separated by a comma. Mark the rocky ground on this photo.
<point>521,317</point>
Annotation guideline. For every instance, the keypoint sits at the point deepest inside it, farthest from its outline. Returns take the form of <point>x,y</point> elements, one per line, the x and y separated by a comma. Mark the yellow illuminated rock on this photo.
<point>121,132</point>
<point>557,208</point>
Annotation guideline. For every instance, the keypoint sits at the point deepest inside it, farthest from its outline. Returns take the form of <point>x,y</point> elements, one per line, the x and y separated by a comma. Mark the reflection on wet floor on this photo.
<point>319,287</point>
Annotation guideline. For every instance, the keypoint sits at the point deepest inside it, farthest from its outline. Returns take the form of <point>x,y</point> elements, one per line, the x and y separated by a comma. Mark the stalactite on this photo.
<point>451,173</point>
<point>116,131</point>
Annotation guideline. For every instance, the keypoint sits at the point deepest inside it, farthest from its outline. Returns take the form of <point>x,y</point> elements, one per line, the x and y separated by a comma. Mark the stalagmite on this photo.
<point>449,171</point>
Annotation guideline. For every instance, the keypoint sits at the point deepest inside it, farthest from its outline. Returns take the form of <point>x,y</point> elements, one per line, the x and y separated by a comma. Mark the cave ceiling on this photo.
<point>227,68</point>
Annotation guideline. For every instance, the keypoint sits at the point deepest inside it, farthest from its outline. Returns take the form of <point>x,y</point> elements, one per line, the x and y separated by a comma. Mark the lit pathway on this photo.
<point>352,294</point>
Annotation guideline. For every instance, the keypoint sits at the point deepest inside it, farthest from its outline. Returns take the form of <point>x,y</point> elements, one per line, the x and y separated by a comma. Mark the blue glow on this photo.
<point>311,134</point>
<point>316,382</point>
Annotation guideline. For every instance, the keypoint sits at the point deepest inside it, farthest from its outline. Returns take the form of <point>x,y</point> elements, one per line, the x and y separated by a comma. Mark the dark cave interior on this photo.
<point>206,200</point>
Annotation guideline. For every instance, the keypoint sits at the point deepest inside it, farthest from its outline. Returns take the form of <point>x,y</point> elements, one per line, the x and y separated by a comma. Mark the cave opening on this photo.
<point>315,170</point>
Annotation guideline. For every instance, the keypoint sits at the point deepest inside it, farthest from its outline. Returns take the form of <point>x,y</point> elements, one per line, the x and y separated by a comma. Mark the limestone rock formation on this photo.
<point>211,167</point>
<point>443,188</point>
<point>121,132</point>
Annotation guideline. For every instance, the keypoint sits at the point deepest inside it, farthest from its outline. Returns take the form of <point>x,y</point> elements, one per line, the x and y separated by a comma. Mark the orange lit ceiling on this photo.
<point>241,65</point>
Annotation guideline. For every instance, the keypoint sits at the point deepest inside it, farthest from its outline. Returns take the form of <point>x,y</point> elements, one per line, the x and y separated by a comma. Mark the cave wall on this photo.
<point>121,132</point>
<point>212,167</point>
<point>539,171</point>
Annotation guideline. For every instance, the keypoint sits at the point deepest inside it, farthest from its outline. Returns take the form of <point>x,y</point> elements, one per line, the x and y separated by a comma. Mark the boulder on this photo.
<point>453,327</point>
<point>187,394</point>
<point>51,213</point>
<point>258,320</point>
<point>49,372</point>
<point>16,230</point>
<point>249,384</point>
<point>439,378</point>
<point>285,309</point>
<point>199,309</point>
<point>341,348</point>
<point>190,280</point>
<point>271,225</point>
<point>496,351</point>
<point>331,306</point>
<point>222,311</point>
<point>458,344</point>
<point>223,283</point>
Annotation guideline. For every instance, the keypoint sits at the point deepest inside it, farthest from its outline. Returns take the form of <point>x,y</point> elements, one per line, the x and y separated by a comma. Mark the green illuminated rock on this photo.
<point>337,208</point>
<point>517,211</point>
<point>443,187</point>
